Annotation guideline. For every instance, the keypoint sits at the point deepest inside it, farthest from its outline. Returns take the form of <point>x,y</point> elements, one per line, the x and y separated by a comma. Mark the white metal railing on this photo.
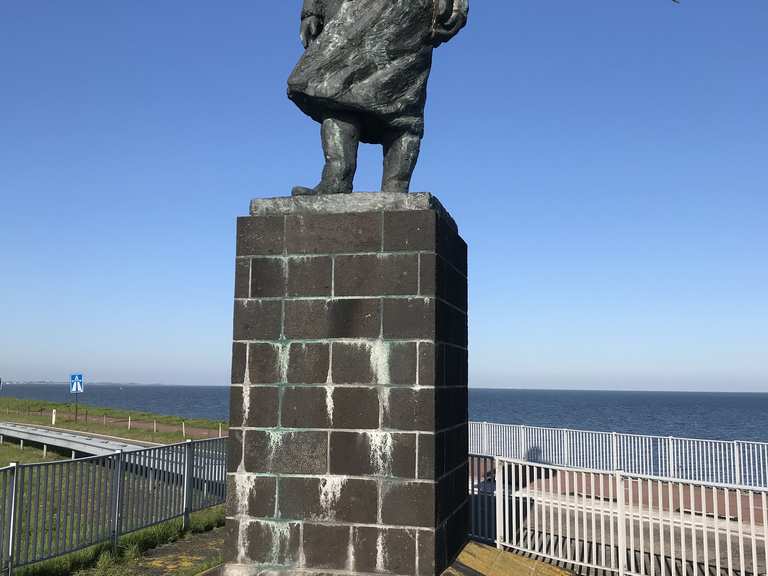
<point>630,524</point>
<point>717,461</point>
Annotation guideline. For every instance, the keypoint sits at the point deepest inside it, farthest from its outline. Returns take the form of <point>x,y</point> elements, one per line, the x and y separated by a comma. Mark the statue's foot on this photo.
<point>303,191</point>
<point>321,189</point>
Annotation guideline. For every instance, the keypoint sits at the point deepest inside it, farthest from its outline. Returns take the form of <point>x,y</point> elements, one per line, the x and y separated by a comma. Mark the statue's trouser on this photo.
<point>341,139</point>
<point>401,151</point>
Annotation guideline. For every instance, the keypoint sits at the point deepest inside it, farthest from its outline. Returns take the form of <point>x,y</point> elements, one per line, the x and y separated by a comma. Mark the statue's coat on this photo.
<point>372,60</point>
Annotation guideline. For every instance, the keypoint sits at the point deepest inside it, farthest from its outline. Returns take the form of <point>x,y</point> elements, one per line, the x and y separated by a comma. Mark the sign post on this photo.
<point>76,388</point>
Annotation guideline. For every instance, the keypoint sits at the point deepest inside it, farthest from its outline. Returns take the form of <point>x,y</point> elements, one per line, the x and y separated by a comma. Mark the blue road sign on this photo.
<point>75,383</point>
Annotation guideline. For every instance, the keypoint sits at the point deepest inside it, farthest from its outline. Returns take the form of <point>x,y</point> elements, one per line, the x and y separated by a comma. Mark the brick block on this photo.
<point>234,450</point>
<point>402,362</point>
<point>326,546</point>
<point>309,276</point>
<point>376,274</point>
<point>263,363</point>
<point>329,499</point>
<point>411,409</point>
<point>259,236</point>
<point>355,408</point>
<point>313,319</point>
<point>333,233</point>
<point>450,407</point>
<point>427,462</point>
<point>373,454</point>
<point>243,278</point>
<point>271,542</point>
<point>427,364</point>
<point>257,319</point>
<point>267,278</point>
<point>456,534</point>
<point>439,278</point>
<point>238,362</point>
<point>285,452</point>
<point>262,409</point>
<point>451,246</point>
<point>306,407</point>
<point>390,550</point>
<point>308,363</point>
<point>427,553</point>
<point>259,492</point>
<point>408,504</point>
<point>352,363</point>
<point>231,529</point>
<point>410,231</point>
<point>451,324</point>
<point>409,318</point>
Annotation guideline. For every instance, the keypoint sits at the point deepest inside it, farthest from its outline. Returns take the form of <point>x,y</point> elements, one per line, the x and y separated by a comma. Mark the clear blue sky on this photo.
<point>607,163</point>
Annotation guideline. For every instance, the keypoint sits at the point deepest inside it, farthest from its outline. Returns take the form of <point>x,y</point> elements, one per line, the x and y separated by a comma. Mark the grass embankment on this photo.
<point>144,426</point>
<point>12,452</point>
<point>101,560</point>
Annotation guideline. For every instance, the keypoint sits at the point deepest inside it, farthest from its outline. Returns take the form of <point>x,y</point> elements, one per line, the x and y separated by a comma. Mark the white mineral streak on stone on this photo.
<point>380,362</point>
<point>240,570</point>
<point>247,387</point>
<point>302,557</point>
<point>242,540</point>
<point>351,550</point>
<point>281,534</point>
<point>244,484</point>
<point>275,441</point>
<point>285,353</point>
<point>384,402</point>
<point>381,451</point>
<point>380,552</point>
<point>330,492</point>
<point>329,403</point>
<point>329,377</point>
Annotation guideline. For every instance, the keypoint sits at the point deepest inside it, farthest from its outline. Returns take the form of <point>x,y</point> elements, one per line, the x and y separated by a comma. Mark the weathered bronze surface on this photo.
<point>363,77</point>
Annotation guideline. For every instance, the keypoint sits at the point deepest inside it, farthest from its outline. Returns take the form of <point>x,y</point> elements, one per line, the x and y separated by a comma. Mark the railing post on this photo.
<point>524,442</point>
<point>567,447</point>
<point>117,499</point>
<point>622,522</point>
<point>500,495</point>
<point>614,451</point>
<point>736,462</point>
<point>188,461</point>
<point>671,457</point>
<point>11,522</point>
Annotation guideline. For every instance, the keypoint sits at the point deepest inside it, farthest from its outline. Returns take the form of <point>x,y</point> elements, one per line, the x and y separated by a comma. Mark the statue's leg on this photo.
<point>401,151</point>
<point>341,139</point>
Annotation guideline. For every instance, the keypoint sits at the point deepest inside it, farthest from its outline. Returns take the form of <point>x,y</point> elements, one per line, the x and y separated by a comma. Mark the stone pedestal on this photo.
<point>348,438</point>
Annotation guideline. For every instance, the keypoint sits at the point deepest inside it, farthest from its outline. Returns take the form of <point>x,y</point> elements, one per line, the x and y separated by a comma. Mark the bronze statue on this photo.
<point>363,77</point>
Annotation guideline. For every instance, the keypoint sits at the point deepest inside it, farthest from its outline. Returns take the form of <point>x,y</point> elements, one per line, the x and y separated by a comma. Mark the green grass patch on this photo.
<point>91,419</point>
<point>101,560</point>
<point>10,451</point>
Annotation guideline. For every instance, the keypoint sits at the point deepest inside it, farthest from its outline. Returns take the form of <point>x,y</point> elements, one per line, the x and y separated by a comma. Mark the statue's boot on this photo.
<point>401,151</point>
<point>341,139</point>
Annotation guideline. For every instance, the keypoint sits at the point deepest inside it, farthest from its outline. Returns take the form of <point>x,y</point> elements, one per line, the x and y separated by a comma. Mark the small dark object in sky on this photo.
<point>363,77</point>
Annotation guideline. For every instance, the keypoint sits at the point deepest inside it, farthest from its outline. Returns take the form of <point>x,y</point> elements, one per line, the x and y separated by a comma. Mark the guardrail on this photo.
<point>724,462</point>
<point>54,508</point>
<point>630,524</point>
